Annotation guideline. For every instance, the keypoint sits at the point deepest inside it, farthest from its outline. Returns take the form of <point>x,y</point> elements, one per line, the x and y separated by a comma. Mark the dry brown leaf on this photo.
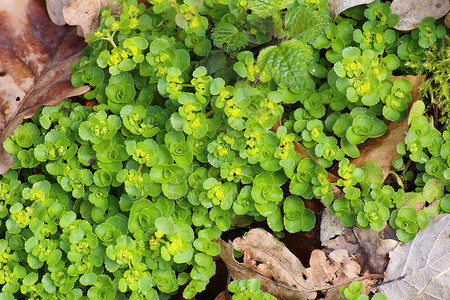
<point>420,269</point>
<point>447,20</point>
<point>84,13</point>
<point>281,273</point>
<point>35,65</point>
<point>223,296</point>
<point>366,245</point>
<point>338,6</point>
<point>412,12</point>
<point>369,259</point>
<point>383,150</point>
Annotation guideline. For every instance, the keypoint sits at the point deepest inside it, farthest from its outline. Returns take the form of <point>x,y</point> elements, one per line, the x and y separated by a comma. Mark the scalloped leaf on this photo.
<point>228,37</point>
<point>305,23</point>
<point>287,63</point>
<point>263,8</point>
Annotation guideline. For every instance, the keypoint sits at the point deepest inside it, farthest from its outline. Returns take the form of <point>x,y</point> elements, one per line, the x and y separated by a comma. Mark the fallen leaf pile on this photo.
<point>35,65</point>
<point>282,274</point>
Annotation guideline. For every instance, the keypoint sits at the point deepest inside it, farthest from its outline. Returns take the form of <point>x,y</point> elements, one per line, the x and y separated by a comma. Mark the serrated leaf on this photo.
<point>287,63</point>
<point>263,8</point>
<point>305,23</point>
<point>228,37</point>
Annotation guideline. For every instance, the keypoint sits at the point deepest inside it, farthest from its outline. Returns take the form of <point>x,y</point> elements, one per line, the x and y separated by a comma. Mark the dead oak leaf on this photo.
<point>281,272</point>
<point>35,65</point>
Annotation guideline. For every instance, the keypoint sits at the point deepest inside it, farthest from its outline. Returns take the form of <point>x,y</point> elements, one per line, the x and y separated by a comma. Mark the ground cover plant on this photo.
<point>211,115</point>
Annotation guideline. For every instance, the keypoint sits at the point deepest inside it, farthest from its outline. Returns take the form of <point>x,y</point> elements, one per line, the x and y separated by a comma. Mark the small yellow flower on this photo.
<point>159,234</point>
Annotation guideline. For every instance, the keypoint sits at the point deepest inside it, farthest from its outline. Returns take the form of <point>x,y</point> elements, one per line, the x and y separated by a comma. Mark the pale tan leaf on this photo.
<point>35,65</point>
<point>412,12</point>
<point>420,269</point>
<point>281,273</point>
<point>239,271</point>
<point>266,255</point>
<point>54,9</point>
<point>330,225</point>
<point>383,150</point>
<point>338,6</point>
<point>84,13</point>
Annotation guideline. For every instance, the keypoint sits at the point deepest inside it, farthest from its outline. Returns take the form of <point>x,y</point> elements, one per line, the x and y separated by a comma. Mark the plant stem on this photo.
<point>278,25</point>
<point>209,113</point>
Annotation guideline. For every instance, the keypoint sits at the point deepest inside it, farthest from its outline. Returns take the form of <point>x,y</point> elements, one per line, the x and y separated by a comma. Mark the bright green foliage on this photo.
<point>305,23</point>
<point>381,12</point>
<point>428,32</point>
<point>397,100</point>
<point>435,65</point>
<point>407,221</point>
<point>374,214</point>
<point>265,8</point>
<point>287,63</point>
<point>203,109</point>
<point>296,216</point>
<point>353,292</point>
<point>228,37</point>
<point>248,289</point>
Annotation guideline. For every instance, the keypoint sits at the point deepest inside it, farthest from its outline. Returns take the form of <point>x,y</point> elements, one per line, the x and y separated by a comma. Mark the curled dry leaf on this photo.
<point>338,6</point>
<point>281,273</point>
<point>84,13</point>
<point>55,8</point>
<point>411,12</point>
<point>369,247</point>
<point>420,269</point>
<point>447,20</point>
<point>35,65</point>
<point>383,150</point>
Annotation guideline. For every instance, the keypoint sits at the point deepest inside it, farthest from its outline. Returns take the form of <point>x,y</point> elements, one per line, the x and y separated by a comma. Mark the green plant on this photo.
<point>435,62</point>
<point>202,107</point>
<point>353,292</point>
<point>248,289</point>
